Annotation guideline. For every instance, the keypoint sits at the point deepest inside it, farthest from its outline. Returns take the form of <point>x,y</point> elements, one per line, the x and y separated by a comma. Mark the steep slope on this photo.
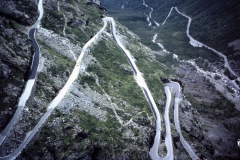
<point>213,23</point>
<point>15,53</point>
<point>104,114</point>
<point>200,70</point>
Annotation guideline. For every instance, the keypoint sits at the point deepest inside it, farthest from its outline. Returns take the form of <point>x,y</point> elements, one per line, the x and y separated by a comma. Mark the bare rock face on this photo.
<point>23,12</point>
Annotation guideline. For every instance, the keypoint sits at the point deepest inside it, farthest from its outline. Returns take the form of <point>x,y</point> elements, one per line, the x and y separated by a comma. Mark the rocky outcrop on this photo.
<point>23,12</point>
<point>126,68</point>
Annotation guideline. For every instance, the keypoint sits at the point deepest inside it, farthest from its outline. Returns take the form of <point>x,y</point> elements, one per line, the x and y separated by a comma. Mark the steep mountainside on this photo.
<point>16,50</point>
<point>214,23</point>
<point>104,114</point>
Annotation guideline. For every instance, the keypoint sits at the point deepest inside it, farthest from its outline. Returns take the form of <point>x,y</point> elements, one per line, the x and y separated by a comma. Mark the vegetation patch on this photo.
<point>115,81</point>
<point>152,70</point>
<point>61,62</point>
<point>91,81</point>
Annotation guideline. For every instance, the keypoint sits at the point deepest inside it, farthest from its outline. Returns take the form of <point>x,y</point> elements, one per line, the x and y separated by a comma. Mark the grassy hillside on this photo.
<point>213,22</point>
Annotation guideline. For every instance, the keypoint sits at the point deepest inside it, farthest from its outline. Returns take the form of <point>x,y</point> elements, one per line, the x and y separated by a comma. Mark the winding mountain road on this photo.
<point>138,76</point>
<point>56,100</point>
<point>168,138</point>
<point>196,43</point>
<point>168,15</point>
<point>177,89</point>
<point>140,81</point>
<point>32,77</point>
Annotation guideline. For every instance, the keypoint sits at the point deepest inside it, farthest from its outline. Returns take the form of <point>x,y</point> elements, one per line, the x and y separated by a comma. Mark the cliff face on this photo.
<point>104,115</point>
